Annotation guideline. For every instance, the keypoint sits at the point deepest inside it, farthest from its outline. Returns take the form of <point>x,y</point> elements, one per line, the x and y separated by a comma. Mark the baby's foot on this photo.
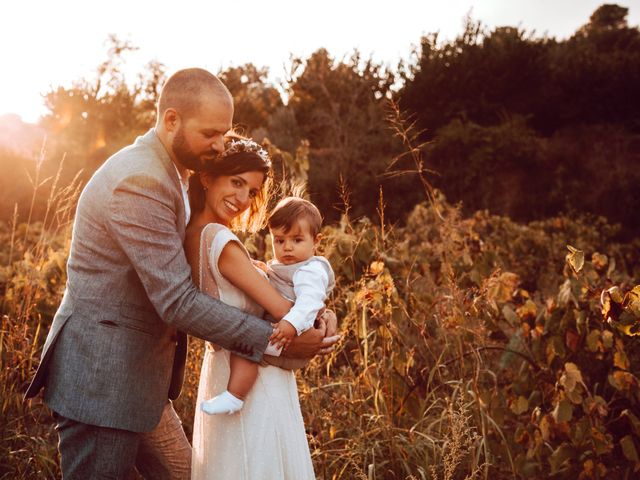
<point>224,403</point>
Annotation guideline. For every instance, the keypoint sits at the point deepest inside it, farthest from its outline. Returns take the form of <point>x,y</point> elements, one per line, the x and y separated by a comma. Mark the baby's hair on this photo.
<point>290,210</point>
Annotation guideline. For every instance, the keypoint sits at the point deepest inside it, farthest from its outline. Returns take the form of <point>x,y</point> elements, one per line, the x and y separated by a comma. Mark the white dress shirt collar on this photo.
<point>184,185</point>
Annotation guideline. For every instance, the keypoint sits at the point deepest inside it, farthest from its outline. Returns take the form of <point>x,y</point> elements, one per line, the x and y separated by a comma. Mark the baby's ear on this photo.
<point>316,241</point>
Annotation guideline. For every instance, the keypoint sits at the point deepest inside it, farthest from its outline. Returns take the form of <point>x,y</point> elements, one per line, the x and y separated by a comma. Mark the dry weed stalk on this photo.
<point>405,129</point>
<point>34,284</point>
<point>460,442</point>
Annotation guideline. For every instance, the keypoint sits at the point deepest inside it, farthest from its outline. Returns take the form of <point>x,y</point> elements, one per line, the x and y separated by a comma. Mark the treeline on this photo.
<point>530,126</point>
<point>522,125</point>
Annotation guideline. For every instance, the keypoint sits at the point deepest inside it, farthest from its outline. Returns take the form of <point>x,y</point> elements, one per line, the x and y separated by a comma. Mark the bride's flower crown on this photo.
<point>245,145</point>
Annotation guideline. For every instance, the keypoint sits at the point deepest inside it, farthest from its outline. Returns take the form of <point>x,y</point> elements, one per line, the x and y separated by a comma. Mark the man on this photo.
<point>116,350</point>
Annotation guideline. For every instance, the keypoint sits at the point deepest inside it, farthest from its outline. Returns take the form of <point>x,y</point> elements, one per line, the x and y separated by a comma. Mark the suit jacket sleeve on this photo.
<point>141,217</point>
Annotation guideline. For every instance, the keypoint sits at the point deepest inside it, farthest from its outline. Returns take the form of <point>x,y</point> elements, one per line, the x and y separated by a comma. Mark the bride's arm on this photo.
<point>236,267</point>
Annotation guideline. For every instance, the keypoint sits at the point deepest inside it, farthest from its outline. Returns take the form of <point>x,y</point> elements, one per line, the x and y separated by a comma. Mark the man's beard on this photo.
<point>184,154</point>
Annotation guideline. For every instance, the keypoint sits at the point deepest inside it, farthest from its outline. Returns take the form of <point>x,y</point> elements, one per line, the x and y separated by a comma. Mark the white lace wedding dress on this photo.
<point>266,439</point>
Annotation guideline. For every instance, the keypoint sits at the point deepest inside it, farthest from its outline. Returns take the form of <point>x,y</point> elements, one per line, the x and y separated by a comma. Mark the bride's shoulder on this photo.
<point>218,236</point>
<point>213,229</point>
<point>215,226</point>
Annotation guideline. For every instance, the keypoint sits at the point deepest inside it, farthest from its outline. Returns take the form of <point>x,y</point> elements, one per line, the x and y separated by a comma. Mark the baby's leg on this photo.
<point>242,376</point>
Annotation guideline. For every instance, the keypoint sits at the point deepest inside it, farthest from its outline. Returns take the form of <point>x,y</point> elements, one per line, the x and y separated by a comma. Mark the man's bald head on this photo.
<point>187,90</point>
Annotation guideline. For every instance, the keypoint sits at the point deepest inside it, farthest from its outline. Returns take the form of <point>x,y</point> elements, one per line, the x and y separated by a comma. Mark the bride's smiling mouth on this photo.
<point>231,206</point>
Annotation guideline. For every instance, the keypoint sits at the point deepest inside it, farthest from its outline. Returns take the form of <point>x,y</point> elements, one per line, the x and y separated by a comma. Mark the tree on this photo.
<point>94,118</point>
<point>339,107</point>
<point>608,17</point>
<point>479,76</point>
<point>467,94</point>
<point>255,100</point>
<point>491,167</point>
<point>597,72</point>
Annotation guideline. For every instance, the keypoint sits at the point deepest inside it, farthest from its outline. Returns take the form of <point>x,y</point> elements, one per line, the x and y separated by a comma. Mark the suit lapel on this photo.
<point>151,139</point>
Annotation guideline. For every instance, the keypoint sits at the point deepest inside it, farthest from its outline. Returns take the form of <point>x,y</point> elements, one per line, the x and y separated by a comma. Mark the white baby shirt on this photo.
<point>306,283</point>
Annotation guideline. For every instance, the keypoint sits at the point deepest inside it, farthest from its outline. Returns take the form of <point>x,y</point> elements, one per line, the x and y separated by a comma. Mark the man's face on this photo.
<point>296,245</point>
<point>200,137</point>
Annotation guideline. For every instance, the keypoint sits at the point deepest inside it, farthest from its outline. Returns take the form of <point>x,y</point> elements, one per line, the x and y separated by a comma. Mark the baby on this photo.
<point>299,275</point>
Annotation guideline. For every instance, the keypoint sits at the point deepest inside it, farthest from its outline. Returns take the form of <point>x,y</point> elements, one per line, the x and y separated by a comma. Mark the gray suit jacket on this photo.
<point>110,358</point>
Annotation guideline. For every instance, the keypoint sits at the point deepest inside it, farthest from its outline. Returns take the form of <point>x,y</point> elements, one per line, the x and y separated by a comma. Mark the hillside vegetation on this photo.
<point>482,222</point>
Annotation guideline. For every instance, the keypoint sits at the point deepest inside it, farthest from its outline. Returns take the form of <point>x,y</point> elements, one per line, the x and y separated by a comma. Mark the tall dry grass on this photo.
<point>33,278</point>
<point>385,405</point>
<point>366,414</point>
<point>459,336</point>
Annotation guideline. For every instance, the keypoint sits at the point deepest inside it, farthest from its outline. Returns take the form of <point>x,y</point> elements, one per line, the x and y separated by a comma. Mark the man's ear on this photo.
<point>205,179</point>
<point>171,120</point>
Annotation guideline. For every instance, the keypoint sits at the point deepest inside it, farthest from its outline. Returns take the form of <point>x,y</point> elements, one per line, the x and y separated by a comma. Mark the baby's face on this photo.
<point>296,245</point>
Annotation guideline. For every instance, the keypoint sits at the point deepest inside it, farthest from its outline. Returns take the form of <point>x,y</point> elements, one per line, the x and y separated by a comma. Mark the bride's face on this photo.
<point>227,196</point>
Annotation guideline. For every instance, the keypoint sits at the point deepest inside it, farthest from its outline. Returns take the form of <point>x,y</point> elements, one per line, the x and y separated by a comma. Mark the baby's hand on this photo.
<point>283,333</point>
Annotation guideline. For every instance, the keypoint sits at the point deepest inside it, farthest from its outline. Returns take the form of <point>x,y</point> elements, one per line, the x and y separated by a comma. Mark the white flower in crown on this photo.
<point>246,145</point>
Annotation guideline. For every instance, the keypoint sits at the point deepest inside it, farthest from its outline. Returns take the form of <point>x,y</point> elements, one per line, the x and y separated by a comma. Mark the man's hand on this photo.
<point>312,342</point>
<point>331,320</point>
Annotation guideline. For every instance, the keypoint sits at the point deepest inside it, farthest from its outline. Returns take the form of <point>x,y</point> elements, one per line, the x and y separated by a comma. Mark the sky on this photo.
<point>45,44</point>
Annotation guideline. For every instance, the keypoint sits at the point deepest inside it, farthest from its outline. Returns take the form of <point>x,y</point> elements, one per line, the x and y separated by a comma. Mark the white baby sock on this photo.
<point>224,403</point>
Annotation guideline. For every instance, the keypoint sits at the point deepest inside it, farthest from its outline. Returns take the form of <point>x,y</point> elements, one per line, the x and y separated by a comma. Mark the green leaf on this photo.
<point>565,294</point>
<point>535,398</point>
<point>555,348</point>
<point>629,449</point>
<point>633,420</point>
<point>575,396</point>
<point>571,377</point>
<point>500,289</point>
<point>526,467</point>
<point>581,430</point>
<point>575,258</point>
<point>599,260</point>
<point>520,406</point>
<point>620,360</point>
<point>563,411</point>
<point>612,267</point>
<point>593,339</point>
<point>602,441</point>
<point>631,301</point>
<point>627,323</point>
<point>560,456</point>
<point>510,316</point>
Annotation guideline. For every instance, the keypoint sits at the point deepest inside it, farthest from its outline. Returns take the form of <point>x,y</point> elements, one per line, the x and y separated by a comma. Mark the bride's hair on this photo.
<point>240,155</point>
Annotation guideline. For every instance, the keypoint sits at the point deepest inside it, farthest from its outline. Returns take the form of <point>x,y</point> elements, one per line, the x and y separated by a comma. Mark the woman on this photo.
<point>266,440</point>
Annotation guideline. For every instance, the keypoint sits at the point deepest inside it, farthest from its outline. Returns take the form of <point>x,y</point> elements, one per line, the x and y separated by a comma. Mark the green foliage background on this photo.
<point>475,344</point>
